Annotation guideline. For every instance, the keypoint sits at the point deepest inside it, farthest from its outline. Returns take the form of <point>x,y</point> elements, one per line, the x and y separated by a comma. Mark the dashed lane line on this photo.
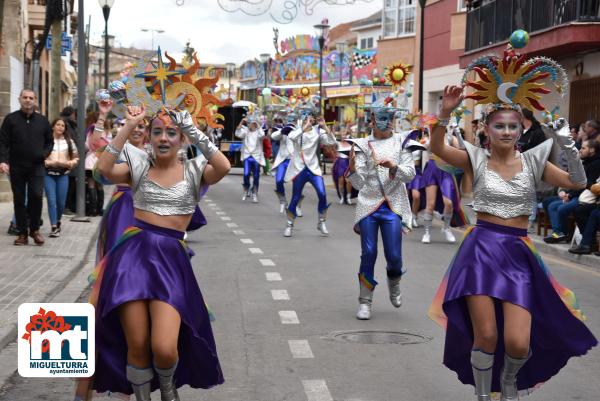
<point>225,218</point>
<point>288,317</point>
<point>273,276</point>
<point>255,251</point>
<point>316,390</point>
<point>246,241</point>
<point>266,262</point>
<point>300,349</point>
<point>232,225</point>
<point>280,295</point>
<point>239,232</point>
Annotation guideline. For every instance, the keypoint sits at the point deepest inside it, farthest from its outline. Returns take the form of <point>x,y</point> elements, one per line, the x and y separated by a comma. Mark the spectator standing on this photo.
<point>61,160</point>
<point>98,136</point>
<point>532,132</point>
<point>69,114</point>
<point>591,129</point>
<point>25,142</point>
<point>587,216</point>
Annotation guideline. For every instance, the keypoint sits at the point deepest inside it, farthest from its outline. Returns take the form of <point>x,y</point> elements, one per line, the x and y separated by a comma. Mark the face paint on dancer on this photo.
<point>504,128</point>
<point>165,137</point>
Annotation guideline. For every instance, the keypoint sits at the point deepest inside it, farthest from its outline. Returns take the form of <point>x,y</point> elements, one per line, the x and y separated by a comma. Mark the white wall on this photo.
<point>16,82</point>
<point>371,33</point>
<point>434,82</point>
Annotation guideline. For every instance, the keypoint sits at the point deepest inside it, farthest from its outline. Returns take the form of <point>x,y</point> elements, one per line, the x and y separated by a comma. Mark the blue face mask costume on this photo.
<point>384,118</point>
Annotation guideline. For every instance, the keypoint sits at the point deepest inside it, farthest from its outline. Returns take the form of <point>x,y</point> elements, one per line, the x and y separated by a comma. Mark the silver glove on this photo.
<point>184,121</point>
<point>559,130</point>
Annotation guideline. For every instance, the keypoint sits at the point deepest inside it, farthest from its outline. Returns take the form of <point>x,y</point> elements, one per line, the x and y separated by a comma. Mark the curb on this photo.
<point>590,262</point>
<point>11,335</point>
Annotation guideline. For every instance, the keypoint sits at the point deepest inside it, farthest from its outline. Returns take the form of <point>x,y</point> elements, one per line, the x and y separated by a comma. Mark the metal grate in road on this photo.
<point>379,337</point>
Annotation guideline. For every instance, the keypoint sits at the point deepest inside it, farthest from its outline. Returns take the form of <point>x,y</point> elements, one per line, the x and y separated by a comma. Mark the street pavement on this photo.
<point>284,305</point>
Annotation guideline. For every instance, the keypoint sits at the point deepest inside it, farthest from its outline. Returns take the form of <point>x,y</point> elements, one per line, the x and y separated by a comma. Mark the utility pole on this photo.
<point>55,61</point>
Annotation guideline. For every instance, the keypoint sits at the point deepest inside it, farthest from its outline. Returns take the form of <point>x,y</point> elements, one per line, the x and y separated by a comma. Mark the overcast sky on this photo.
<point>218,36</point>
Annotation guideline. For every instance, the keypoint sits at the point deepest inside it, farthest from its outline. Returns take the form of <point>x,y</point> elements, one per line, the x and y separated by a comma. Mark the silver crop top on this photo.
<point>507,198</point>
<point>178,199</point>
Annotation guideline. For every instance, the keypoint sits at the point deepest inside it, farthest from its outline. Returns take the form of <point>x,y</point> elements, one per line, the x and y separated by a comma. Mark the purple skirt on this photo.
<point>198,220</point>
<point>447,188</point>
<point>501,262</point>
<point>418,182</point>
<point>151,262</point>
<point>118,215</point>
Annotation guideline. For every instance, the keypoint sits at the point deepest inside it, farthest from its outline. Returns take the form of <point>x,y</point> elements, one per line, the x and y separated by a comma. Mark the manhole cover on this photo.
<point>379,337</point>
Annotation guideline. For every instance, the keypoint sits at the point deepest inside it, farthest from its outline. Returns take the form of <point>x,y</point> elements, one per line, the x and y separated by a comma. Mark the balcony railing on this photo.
<point>492,21</point>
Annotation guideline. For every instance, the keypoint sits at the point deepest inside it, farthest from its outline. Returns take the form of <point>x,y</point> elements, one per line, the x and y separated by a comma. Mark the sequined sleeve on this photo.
<point>357,179</point>
<point>406,168</point>
<point>536,159</point>
<point>138,163</point>
<point>196,168</point>
<point>477,157</point>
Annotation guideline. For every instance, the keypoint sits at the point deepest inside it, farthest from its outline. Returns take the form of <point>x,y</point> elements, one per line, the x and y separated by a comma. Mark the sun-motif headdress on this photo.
<point>159,85</point>
<point>513,81</point>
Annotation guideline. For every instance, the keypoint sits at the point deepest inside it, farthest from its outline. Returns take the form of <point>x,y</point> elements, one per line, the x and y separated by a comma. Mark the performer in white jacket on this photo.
<point>380,166</point>
<point>304,167</point>
<point>282,160</point>
<point>252,154</point>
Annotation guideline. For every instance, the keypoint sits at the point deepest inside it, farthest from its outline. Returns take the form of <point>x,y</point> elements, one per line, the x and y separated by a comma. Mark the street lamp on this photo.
<point>230,70</point>
<point>341,48</point>
<point>264,59</point>
<point>152,30</point>
<point>106,5</point>
<point>421,40</point>
<point>322,30</point>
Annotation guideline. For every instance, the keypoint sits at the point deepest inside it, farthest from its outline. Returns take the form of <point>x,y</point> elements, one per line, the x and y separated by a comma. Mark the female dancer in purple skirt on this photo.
<point>150,315</point>
<point>441,194</point>
<point>509,324</point>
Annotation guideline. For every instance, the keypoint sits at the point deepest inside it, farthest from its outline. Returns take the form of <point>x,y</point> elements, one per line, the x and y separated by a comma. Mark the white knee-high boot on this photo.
<point>140,379</point>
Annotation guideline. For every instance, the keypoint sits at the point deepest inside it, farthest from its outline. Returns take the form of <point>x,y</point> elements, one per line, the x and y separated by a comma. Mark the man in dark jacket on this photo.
<point>532,132</point>
<point>25,142</point>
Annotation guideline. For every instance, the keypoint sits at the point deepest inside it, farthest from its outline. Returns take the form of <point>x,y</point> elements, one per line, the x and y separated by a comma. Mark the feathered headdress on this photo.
<point>513,81</point>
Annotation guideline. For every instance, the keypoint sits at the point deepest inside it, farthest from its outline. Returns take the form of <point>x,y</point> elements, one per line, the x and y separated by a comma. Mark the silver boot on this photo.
<point>482,364</point>
<point>299,207</point>
<point>140,380</point>
<point>289,228</point>
<point>321,225</point>
<point>168,391</point>
<point>427,223</point>
<point>365,300</point>
<point>508,377</point>
<point>395,293</point>
<point>282,202</point>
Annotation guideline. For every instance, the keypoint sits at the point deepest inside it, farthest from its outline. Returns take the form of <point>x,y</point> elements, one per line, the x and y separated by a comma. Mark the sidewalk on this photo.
<point>37,273</point>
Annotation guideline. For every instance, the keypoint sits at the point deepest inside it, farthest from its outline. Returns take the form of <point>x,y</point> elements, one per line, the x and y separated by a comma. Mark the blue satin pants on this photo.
<point>279,177</point>
<point>390,225</point>
<point>317,182</point>
<point>251,166</point>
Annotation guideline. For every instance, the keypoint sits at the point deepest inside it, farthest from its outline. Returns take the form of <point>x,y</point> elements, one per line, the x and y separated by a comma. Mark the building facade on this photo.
<point>568,31</point>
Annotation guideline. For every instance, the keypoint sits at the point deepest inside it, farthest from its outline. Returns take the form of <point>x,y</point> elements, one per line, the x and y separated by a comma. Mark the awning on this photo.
<point>342,91</point>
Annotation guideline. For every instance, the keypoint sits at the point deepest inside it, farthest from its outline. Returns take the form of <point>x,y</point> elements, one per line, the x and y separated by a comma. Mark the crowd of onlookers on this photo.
<point>40,157</point>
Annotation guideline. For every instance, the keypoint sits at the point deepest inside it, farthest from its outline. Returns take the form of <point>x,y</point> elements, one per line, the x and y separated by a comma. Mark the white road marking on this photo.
<point>280,295</point>
<point>232,225</point>
<point>300,349</point>
<point>288,317</point>
<point>316,390</point>
<point>273,276</point>
<point>246,241</point>
<point>266,262</point>
<point>221,213</point>
<point>225,218</point>
<point>255,251</point>
<point>239,232</point>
